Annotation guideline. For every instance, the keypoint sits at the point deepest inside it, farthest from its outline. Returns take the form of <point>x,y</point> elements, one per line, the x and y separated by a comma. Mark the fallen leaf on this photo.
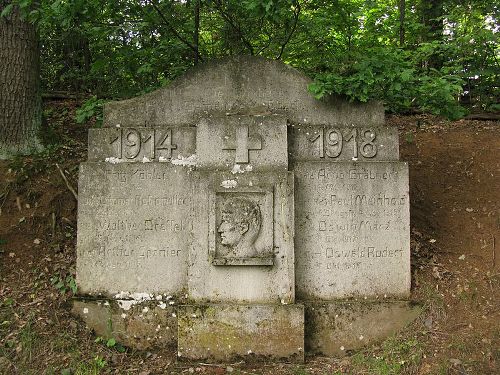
<point>455,361</point>
<point>436,273</point>
<point>428,322</point>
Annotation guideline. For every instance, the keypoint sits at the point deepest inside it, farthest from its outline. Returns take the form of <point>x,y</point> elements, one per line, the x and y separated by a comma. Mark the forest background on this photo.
<point>439,56</point>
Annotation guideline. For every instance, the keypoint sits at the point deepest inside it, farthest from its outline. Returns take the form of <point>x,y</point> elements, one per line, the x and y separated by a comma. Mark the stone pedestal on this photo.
<point>223,332</point>
<point>340,327</point>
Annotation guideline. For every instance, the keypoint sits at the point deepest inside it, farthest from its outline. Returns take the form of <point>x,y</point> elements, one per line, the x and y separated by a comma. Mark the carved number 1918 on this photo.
<point>331,142</point>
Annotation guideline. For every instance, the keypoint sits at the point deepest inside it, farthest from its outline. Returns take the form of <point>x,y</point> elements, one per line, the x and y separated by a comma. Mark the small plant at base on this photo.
<point>410,137</point>
<point>111,343</point>
<point>92,367</point>
<point>7,302</point>
<point>64,284</point>
<point>100,362</point>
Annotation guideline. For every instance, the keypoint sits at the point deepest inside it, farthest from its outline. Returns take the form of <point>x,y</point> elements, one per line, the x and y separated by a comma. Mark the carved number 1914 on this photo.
<point>130,143</point>
<point>331,142</point>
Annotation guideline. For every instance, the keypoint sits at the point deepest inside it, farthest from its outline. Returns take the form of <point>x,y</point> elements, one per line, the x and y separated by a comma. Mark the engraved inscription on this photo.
<point>353,227</point>
<point>165,225</point>
<point>164,146</point>
<point>330,142</point>
<point>138,201</point>
<point>115,141</point>
<point>362,200</point>
<point>138,174</point>
<point>135,220</point>
<point>120,252</point>
<point>131,143</point>
<point>352,174</point>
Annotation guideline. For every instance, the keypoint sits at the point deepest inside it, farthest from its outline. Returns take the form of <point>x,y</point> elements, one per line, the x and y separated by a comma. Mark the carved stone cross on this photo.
<point>243,143</point>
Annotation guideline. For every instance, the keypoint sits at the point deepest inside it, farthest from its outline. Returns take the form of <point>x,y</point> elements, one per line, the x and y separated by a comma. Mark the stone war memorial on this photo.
<point>232,215</point>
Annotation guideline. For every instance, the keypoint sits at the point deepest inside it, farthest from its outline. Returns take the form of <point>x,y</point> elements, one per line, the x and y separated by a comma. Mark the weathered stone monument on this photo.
<point>233,215</point>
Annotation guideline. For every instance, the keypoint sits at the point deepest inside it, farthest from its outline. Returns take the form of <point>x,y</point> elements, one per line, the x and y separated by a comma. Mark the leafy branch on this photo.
<point>296,13</point>
<point>174,31</point>
<point>229,19</point>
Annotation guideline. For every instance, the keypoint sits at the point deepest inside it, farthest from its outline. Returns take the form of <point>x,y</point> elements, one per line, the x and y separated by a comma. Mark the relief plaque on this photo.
<point>242,227</point>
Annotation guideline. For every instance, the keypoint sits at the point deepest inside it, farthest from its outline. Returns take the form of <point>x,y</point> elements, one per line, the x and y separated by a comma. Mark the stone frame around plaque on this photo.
<point>254,247</point>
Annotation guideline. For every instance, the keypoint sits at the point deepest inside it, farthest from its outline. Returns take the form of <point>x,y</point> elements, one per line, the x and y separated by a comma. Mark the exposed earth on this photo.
<point>455,228</point>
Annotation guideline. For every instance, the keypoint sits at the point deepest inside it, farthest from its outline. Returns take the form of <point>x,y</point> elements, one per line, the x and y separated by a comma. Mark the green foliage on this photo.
<point>7,10</point>
<point>389,75</point>
<point>92,367</point>
<point>2,243</point>
<point>7,302</point>
<point>20,343</point>
<point>111,343</point>
<point>410,137</point>
<point>437,93</point>
<point>379,74</point>
<point>442,59</point>
<point>92,108</point>
<point>28,339</point>
<point>493,107</point>
<point>64,284</point>
<point>396,357</point>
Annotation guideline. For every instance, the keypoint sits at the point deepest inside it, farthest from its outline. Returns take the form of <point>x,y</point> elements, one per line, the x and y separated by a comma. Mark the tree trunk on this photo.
<point>432,13</point>
<point>402,11</point>
<point>196,31</point>
<point>20,99</point>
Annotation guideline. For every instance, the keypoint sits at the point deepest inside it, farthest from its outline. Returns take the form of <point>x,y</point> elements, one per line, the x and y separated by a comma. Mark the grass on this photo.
<point>29,340</point>
<point>433,301</point>
<point>397,355</point>
<point>92,367</point>
<point>19,344</point>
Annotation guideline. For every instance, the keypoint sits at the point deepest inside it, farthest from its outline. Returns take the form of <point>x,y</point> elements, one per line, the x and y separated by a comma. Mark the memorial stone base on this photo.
<point>223,332</point>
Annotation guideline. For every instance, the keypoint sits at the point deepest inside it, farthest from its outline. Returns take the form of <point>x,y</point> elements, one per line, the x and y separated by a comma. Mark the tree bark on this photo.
<point>20,99</point>
<point>196,35</point>
<point>402,11</point>
<point>432,12</point>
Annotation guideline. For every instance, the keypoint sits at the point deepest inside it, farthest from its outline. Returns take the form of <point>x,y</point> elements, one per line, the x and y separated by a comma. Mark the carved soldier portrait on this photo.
<point>240,227</point>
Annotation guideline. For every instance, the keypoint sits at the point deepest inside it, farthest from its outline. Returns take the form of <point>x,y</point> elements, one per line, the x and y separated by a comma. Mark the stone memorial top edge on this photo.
<point>238,85</point>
